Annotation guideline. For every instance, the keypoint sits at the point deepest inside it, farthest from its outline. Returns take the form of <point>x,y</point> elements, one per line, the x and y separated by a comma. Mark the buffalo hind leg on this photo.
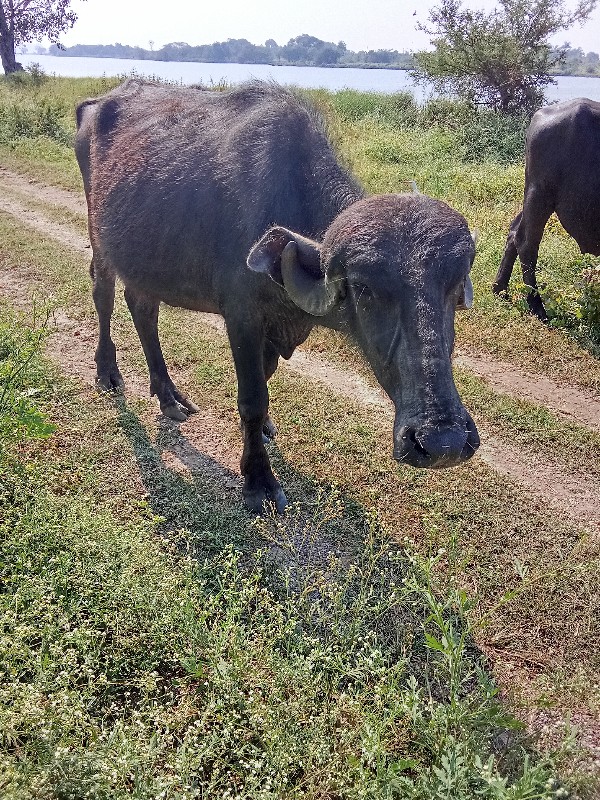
<point>108,376</point>
<point>260,485</point>
<point>525,237</point>
<point>144,312</point>
<point>536,213</point>
<point>500,285</point>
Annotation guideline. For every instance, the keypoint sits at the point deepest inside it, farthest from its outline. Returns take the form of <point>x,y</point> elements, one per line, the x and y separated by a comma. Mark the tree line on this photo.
<point>302,50</point>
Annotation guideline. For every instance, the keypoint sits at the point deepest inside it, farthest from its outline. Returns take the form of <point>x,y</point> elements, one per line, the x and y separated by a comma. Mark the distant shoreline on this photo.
<point>391,67</point>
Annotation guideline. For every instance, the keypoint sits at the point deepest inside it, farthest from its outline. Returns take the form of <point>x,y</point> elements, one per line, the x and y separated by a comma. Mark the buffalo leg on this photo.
<point>260,485</point>
<point>500,284</point>
<point>524,239</point>
<point>536,213</point>
<point>144,312</point>
<point>270,361</point>
<point>103,292</point>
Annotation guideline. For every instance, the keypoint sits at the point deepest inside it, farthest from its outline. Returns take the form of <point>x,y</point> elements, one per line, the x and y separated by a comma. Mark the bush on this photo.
<point>589,301</point>
<point>33,75</point>
<point>45,118</point>
<point>490,136</point>
<point>574,307</point>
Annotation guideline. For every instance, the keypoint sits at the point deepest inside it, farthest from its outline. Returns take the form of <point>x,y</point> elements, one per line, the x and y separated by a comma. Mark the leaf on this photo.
<point>433,643</point>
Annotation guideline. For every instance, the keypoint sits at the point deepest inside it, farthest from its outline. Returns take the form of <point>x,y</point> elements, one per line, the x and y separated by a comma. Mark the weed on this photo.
<point>19,381</point>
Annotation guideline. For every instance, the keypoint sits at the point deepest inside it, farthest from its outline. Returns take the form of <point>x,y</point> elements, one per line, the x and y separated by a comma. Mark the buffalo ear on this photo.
<point>265,255</point>
<point>294,262</point>
<point>465,299</point>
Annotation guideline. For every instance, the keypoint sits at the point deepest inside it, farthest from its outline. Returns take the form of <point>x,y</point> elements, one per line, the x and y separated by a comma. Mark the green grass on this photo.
<point>199,654</point>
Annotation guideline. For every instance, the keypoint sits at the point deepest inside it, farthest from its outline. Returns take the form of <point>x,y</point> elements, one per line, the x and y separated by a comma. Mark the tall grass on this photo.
<point>478,135</point>
<point>21,380</point>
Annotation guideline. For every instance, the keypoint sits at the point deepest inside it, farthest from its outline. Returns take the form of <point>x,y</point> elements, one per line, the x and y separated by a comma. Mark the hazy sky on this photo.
<point>362,24</point>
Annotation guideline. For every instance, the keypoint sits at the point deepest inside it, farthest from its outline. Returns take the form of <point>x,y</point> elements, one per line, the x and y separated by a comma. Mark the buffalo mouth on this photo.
<point>436,447</point>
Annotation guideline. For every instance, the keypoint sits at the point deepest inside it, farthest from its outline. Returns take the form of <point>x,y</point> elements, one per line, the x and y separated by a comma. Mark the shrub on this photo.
<point>45,118</point>
<point>490,136</point>
<point>589,301</point>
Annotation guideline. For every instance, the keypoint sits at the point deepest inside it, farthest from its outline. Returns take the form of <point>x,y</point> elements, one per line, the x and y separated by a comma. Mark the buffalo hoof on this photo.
<point>260,500</point>
<point>110,380</point>
<point>536,307</point>
<point>180,408</point>
<point>175,411</point>
<point>269,430</point>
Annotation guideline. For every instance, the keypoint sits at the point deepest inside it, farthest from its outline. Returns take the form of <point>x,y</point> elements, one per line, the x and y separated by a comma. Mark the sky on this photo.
<point>362,24</point>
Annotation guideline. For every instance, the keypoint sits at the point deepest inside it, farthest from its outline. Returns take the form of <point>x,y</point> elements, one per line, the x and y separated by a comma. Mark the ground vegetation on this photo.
<point>398,634</point>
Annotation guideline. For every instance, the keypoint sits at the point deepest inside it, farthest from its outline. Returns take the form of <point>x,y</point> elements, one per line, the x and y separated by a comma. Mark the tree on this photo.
<point>500,59</point>
<point>26,20</point>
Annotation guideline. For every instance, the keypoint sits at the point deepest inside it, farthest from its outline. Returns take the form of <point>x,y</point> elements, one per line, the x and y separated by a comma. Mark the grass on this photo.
<point>257,653</point>
<point>200,654</point>
<point>488,533</point>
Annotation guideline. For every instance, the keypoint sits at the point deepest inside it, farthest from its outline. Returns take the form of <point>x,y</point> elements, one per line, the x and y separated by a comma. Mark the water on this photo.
<point>377,80</point>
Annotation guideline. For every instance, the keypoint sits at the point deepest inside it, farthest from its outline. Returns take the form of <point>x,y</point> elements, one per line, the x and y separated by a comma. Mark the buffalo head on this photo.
<point>391,272</point>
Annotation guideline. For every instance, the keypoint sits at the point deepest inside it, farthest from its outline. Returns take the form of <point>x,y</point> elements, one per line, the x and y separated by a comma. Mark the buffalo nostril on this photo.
<point>410,434</point>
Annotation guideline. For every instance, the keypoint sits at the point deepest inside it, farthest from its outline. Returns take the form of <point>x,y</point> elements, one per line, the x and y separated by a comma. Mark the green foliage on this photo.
<point>476,135</point>
<point>21,381</point>
<point>396,109</point>
<point>589,302</point>
<point>32,76</point>
<point>573,306</point>
<point>29,121</point>
<point>490,136</point>
<point>185,671</point>
<point>501,59</point>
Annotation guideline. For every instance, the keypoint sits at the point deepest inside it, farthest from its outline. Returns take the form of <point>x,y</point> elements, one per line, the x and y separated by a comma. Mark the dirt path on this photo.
<point>52,195</point>
<point>73,345</point>
<point>573,404</point>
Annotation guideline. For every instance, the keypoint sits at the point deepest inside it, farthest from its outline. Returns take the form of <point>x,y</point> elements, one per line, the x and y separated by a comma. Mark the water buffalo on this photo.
<point>562,174</point>
<point>234,203</point>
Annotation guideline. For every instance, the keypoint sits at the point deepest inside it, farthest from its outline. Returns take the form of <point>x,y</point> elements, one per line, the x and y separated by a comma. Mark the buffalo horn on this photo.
<point>466,296</point>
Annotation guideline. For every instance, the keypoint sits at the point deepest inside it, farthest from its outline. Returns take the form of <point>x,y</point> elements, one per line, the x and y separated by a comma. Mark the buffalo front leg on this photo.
<point>270,361</point>
<point>108,376</point>
<point>144,312</point>
<point>260,485</point>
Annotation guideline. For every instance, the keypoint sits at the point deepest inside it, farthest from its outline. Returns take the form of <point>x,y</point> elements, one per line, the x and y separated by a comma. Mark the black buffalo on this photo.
<point>562,174</point>
<point>234,203</point>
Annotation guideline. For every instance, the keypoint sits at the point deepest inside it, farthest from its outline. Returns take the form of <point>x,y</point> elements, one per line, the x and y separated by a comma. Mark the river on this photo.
<point>367,80</point>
